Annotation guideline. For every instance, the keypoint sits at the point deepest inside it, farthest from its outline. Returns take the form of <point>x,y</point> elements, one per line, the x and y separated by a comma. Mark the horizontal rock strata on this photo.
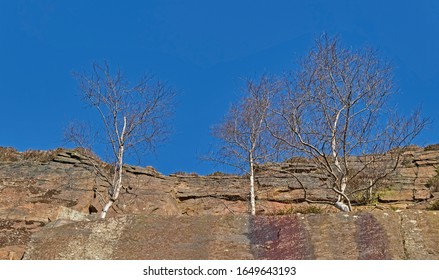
<point>42,187</point>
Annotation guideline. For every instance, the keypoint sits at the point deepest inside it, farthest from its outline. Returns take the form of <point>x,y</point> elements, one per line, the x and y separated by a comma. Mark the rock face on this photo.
<point>39,188</point>
<point>370,236</point>
<point>42,190</point>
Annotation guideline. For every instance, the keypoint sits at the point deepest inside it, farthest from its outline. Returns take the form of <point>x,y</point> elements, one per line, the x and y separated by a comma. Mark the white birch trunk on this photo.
<point>118,173</point>
<point>334,154</point>
<point>252,188</point>
<point>106,208</point>
<point>344,184</point>
<point>344,181</point>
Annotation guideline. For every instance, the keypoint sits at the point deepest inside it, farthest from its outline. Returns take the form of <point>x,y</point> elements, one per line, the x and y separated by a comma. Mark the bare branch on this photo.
<point>244,141</point>
<point>132,116</point>
<point>336,107</point>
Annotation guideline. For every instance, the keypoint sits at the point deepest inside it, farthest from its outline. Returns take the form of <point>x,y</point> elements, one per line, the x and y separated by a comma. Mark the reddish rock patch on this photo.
<point>371,238</point>
<point>279,238</point>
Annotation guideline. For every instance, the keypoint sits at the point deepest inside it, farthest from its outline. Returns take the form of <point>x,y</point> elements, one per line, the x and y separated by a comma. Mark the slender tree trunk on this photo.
<point>252,187</point>
<point>106,208</point>
<point>344,180</point>
<point>117,187</point>
<point>118,174</point>
<point>340,204</point>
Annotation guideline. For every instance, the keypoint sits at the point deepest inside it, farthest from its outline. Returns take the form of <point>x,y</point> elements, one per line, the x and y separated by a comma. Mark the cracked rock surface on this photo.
<point>373,235</point>
<point>55,196</point>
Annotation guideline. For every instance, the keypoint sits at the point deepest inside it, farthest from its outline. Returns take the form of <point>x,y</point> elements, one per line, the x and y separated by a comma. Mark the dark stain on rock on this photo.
<point>15,232</point>
<point>372,242</point>
<point>279,238</point>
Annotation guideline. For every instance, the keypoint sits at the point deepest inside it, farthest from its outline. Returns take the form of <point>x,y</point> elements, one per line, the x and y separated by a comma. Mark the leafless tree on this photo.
<point>244,139</point>
<point>335,112</point>
<point>132,117</point>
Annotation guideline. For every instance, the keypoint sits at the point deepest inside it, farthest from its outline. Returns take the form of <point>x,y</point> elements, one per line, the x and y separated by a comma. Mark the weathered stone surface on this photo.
<point>426,158</point>
<point>404,195</point>
<point>421,239</point>
<point>66,159</point>
<point>374,235</point>
<point>15,252</point>
<point>149,171</point>
<point>36,191</point>
<point>390,223</point>
<point>422,194</point>
<point>280,238</point>
<point>145,237</point>
<point>63,187</point>
<point>395,195</point>
<point>14,235</point>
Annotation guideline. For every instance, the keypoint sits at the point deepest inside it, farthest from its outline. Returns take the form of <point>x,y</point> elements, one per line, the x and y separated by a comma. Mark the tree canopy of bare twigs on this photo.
<point>337,105</point>
<point>132,117</point>
<point>244,141</point>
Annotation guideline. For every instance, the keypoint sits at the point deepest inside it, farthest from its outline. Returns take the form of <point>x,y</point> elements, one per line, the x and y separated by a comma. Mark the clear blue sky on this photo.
<point>203,49</point>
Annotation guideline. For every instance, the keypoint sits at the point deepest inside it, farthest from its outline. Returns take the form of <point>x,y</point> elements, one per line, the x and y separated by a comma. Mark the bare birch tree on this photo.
<point>132,117</point>
<point>336,106</point>
<point>244,139</point>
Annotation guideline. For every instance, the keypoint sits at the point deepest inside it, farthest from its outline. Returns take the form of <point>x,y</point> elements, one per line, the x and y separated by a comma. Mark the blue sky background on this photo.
<point>203,49</point>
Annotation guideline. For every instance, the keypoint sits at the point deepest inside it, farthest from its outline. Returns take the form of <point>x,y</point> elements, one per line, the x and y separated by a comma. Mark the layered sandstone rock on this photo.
<point>43,187</point>
<point>40,191</point>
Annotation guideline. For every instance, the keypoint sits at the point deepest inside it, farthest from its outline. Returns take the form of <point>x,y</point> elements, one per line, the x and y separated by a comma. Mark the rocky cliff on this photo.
<point>405,234</point>
<point>40,188</point>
